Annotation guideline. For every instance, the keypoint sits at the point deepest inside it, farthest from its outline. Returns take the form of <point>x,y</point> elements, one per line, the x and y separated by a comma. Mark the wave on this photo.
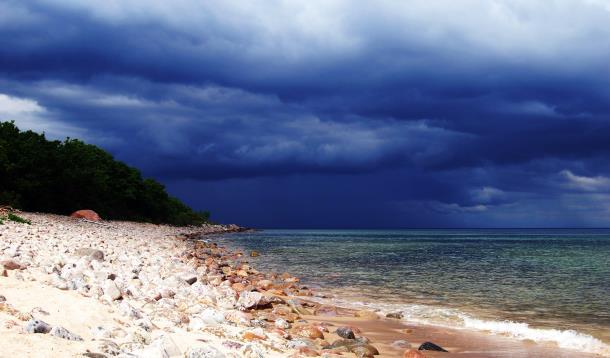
<point>454,318</point>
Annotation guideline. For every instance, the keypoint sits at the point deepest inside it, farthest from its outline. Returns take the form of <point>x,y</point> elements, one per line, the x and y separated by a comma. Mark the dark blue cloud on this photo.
<point>330,114</point>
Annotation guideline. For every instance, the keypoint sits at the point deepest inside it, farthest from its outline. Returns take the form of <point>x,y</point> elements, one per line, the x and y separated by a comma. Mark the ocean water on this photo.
<point>543,285</point>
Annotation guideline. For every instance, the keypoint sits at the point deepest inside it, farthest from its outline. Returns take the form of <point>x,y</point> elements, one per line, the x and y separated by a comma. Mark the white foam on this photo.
<point>454,318</point>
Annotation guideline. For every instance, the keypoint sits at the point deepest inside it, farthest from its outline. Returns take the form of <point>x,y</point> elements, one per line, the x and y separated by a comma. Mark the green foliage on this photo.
<point>18,219</point>
<point>60,177</point>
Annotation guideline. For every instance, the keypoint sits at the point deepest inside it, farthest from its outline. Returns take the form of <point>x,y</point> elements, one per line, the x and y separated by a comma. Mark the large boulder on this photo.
<point>86,214</point>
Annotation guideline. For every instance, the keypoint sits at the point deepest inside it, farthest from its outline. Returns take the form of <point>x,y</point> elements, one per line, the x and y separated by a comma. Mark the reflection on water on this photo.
<point>555,279</point>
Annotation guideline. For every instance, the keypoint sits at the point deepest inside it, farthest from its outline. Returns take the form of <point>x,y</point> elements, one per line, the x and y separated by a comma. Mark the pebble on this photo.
<point>37,326</point>
<point>429,346</point>
<point>61,332</point>
<point>346,332</point>
<point>203,352</point>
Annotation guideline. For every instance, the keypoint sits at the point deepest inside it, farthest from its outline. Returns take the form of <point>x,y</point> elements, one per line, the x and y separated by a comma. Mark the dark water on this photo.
<point>548,285</point>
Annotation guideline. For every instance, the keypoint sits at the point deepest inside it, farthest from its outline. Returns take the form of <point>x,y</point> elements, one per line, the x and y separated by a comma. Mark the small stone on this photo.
<point>249,300</point>
<point>94,254</point>
<point>395,315</point>
<point>254,253</point>
<point>364,351</point>
<point>61,332</point>
<point>2,298</point>
<point>310,332</point>
<point>264,284</point>
<point>203,352</point>
<point>111,290</point>
<point>308,352</point>
<point>327,311</point>
<point>250,336</point>
<point>11,265</point>
<point>282,323</point>
<point>402,344</point>
<point>429,346</point>
<point>366,314</point>
<point>108,347</point>
<point>37,326</point>
<point>346,332</point>
<point>412,353</point>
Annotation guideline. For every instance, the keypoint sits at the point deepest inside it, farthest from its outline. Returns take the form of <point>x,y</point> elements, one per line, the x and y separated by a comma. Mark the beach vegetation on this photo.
<point>18,219</point>
<point>37,174</point>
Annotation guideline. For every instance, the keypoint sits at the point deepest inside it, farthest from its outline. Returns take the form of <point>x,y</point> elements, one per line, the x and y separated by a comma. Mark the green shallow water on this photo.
<point>547,279</point>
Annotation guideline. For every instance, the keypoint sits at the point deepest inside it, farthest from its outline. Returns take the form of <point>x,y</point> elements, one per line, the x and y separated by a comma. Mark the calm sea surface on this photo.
<point>545,285</point>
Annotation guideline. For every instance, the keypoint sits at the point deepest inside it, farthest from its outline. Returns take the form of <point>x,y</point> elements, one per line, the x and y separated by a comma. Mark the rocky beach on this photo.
<point>72,287</point>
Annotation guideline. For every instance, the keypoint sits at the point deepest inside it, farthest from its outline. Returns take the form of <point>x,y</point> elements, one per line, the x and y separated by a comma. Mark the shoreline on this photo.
<point>144,290</point>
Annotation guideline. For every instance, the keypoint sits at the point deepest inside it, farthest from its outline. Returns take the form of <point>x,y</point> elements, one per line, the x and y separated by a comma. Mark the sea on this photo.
<point>535,284</point>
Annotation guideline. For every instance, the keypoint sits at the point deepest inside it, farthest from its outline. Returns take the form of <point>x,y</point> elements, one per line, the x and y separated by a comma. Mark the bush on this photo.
<point>18,219</point>
<point>63,176</point>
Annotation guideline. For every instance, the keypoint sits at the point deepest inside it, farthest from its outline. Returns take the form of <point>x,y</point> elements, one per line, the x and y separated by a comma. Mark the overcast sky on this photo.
<point>326,113</point>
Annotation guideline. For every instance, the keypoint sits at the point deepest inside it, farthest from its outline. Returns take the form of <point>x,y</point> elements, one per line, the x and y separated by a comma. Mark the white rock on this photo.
<point>111,291</point>
<point>249,300</point>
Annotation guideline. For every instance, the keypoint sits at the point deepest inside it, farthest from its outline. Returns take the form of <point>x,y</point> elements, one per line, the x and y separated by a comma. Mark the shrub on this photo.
<point>63,176</point>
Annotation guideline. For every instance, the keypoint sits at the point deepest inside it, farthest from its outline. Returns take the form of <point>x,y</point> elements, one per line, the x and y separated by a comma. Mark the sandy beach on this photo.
<point>73,288</point>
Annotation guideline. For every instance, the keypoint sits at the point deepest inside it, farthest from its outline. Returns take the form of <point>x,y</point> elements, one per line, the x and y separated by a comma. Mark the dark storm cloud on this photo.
<point>470,110</point>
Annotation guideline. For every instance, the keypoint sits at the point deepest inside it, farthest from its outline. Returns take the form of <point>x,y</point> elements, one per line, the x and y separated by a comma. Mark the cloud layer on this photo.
<point>377,114</point>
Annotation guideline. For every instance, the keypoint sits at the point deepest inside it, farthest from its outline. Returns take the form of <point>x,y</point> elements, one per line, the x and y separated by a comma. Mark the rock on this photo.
<point>402,344</point>
<point>2,298</point>
<point>412,353</point>
<point>282,323</point>
<point>366,314</point>
<point>429,346</point>
<point>111,291</point>
<point>308,352</point>
<point>254,253</point>
<point>345,332</point>
<point>61,332</point>
<point>232,344</point>
<point>203,352</point>
<point>264,284</point>
<point>37,326</point>
<point>251,336</point>
<point>129,311</point>
<point>326,311</point>
<point>364,351</point>
<point>107,346</point>
<point>298,308</point>
<point>167,345</point>
<point>11,265</point>
<point>340,343</point>
<point>190,279</point>
<point>86,214</point>
<point>249,300</point>
<point>100,332</point>
<point>396,315</point>
<point>300,342</point>
<point>310,332</point>
<point>211,317</point>
<point>94,254</point>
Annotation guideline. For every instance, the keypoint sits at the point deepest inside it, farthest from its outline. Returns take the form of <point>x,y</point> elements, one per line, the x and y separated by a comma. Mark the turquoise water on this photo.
<point>550,285</point>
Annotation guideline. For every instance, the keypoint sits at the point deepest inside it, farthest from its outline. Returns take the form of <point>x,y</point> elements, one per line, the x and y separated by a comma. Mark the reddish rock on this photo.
<point>249,336</point>
<point>412,353</point>
<point>86,214</point>
<point>308,352</point>
<point>11,265</point>
<point>310,332</point>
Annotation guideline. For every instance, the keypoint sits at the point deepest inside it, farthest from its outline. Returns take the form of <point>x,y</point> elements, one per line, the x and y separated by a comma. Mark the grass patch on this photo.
<point>18,219</point>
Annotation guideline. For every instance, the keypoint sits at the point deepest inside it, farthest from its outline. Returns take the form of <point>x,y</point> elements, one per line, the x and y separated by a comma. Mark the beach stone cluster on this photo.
<point>169,282</point>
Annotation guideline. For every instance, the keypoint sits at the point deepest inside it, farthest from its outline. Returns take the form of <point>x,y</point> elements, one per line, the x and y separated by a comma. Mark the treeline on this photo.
<point>37,174</point>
